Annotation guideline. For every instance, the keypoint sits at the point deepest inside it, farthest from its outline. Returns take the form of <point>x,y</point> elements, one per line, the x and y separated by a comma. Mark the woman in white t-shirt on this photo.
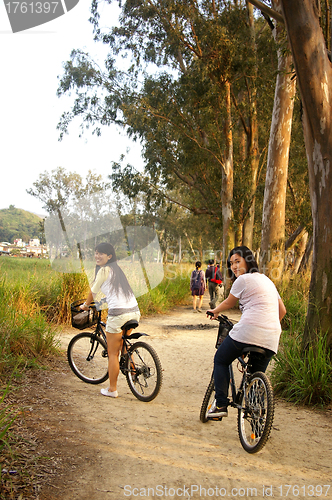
<point>262,310</point>
<point>122,307</point>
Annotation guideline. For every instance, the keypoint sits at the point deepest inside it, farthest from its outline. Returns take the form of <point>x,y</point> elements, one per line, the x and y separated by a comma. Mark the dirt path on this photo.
<point>105,449</point>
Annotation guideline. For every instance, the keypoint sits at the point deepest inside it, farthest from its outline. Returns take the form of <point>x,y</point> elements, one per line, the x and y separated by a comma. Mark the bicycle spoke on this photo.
<point>256,414</point>
<point>87,357</point>
<point>144,374</point>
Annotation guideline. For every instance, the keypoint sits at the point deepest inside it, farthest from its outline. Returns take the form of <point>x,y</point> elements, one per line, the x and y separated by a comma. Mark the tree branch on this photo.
<point>267,10</point>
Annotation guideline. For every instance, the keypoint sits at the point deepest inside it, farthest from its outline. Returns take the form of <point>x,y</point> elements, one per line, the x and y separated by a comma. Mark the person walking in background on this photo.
<point>197,286</point>
<point>213,277</point>
<point>207,272</point>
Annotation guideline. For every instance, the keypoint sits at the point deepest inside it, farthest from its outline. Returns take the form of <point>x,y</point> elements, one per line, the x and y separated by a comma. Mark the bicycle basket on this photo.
<point>225,327</point>
<point>83,319</point>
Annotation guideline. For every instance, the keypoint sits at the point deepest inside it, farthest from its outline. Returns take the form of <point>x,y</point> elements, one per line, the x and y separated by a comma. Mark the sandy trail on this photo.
<point>105,449</point>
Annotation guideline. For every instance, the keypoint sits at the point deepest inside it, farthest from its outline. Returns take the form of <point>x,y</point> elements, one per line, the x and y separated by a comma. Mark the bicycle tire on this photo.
<point>255,417</point>
<point>208,399</point>
<point>145,378</point>
<point>80,348</point>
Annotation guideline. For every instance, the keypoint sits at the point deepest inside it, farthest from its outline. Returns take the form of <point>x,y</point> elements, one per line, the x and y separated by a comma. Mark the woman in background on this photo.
<point>197,286</point>
<point>122,307</point>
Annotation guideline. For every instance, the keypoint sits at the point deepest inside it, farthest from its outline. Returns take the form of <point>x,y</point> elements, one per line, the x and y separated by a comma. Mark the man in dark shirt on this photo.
<point>213,287</point>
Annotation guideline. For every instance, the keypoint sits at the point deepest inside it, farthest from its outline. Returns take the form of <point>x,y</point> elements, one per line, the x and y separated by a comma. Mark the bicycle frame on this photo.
<point>126,344</point>
<point>253,398</point>
<point>139,362</point>
<point>236,391</point>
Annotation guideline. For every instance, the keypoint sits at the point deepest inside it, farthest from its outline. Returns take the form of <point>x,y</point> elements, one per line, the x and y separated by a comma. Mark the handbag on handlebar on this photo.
<point>225,327</point>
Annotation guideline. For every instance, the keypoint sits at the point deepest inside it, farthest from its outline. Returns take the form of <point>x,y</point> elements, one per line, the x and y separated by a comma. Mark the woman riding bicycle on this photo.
<point>122,307</point>
<point>262,310</point>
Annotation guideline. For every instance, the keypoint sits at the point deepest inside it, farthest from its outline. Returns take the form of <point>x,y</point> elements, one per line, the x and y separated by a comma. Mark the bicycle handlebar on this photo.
<point>220,318</point>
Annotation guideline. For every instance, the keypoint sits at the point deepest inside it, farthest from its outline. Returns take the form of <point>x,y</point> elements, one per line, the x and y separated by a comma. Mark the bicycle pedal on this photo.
<point>215,419</point>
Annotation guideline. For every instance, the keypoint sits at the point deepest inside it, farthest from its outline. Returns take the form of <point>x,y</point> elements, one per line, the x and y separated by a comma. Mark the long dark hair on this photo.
<point>246,253</point>
<point>119,280</point>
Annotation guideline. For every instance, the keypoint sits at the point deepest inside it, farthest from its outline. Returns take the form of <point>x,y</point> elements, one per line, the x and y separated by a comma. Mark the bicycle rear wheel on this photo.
<point>255,417</point>
<point>143,371</point>
<point>208,399</point>
<point>87,357</point>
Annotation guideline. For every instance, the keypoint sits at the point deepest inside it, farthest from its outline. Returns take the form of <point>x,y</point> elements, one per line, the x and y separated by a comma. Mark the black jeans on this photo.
<point>228,351</point>
<point>213,291</point>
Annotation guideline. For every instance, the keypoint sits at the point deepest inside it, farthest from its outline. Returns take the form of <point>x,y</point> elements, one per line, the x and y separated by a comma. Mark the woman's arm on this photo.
<point>228,303</point>
<point>99,280</point>
<point>88,301</point>
<point>282,310</point>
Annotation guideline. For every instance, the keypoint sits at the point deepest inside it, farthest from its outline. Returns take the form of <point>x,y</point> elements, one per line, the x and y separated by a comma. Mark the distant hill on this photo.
<point>17,223</point>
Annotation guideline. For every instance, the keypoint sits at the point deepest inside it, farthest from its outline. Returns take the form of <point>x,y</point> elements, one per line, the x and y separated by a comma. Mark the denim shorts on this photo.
<point>114,323</point>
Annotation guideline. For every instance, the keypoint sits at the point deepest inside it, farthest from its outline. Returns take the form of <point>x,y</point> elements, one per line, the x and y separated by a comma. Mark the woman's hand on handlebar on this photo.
<point>212,314</point>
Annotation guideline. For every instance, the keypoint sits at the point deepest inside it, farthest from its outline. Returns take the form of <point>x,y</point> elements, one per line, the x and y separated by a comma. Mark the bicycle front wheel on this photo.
<point>208,399</point>
<point>255,417</point>
<point>143,371</point>
<point>87,357</point>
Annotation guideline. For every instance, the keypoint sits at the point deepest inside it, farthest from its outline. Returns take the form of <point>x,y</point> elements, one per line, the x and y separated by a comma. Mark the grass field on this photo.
<point>37,298</point>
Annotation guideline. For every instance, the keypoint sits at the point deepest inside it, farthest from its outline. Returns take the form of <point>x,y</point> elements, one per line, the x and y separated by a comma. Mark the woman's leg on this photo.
<point>194,302</point>
<point>114,345</point>
<point>225,355</point>
<point>200,302</point>
<point>211,291</point>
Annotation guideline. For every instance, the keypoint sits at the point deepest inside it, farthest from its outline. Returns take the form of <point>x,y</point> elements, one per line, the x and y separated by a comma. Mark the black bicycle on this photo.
<point>87,354</point>
<point>253,398</point>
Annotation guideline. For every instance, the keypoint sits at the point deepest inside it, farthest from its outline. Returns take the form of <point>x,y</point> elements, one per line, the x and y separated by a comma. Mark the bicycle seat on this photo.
<point>132,323</point>
<point>253,348</point>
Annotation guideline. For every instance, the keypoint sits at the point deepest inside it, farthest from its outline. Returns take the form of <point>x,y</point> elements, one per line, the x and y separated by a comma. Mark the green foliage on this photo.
<point>35,286</point>
<point>298,199</point>
<point>58,188</point>
<point>294,290</point>
<point>34,294</point>
<point>16,223</point>
<point>25,336</point>
<point>178,111</point>
<point>301,376</point>
<point>172,291</point>
<point>7,418</point>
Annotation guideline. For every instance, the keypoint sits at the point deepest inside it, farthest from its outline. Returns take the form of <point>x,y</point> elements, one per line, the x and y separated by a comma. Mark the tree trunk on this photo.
<point>306,260</point>
<point>300,252</point>
<point>314,75</point>
<point>253,151</point>
<point>274,205</point>
<point>227,182</point>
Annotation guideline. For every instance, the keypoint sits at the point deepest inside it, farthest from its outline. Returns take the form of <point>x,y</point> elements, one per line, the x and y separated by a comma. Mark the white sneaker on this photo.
<point>106,392</point>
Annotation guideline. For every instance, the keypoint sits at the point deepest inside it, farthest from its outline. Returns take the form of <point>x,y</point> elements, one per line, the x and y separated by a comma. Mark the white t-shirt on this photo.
<point>117,303</point>
<point>259,304</point>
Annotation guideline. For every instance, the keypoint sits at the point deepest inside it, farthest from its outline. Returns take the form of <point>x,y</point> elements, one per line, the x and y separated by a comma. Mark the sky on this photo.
<point>31,61</point>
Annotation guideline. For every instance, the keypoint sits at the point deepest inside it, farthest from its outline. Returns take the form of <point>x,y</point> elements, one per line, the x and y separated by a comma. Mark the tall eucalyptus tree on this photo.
<point>313,68</point>
<point>185,114</point>
<point>273,219</point>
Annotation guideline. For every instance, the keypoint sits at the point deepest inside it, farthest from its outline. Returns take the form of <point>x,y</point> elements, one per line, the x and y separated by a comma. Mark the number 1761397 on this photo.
<point>31,7</point>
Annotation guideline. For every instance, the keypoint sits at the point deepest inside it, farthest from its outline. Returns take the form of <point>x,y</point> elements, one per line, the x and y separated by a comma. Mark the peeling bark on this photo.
<point>274,206</point>
<point>253,150</point>
<point>314,75</point>
<point>227,181</point>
